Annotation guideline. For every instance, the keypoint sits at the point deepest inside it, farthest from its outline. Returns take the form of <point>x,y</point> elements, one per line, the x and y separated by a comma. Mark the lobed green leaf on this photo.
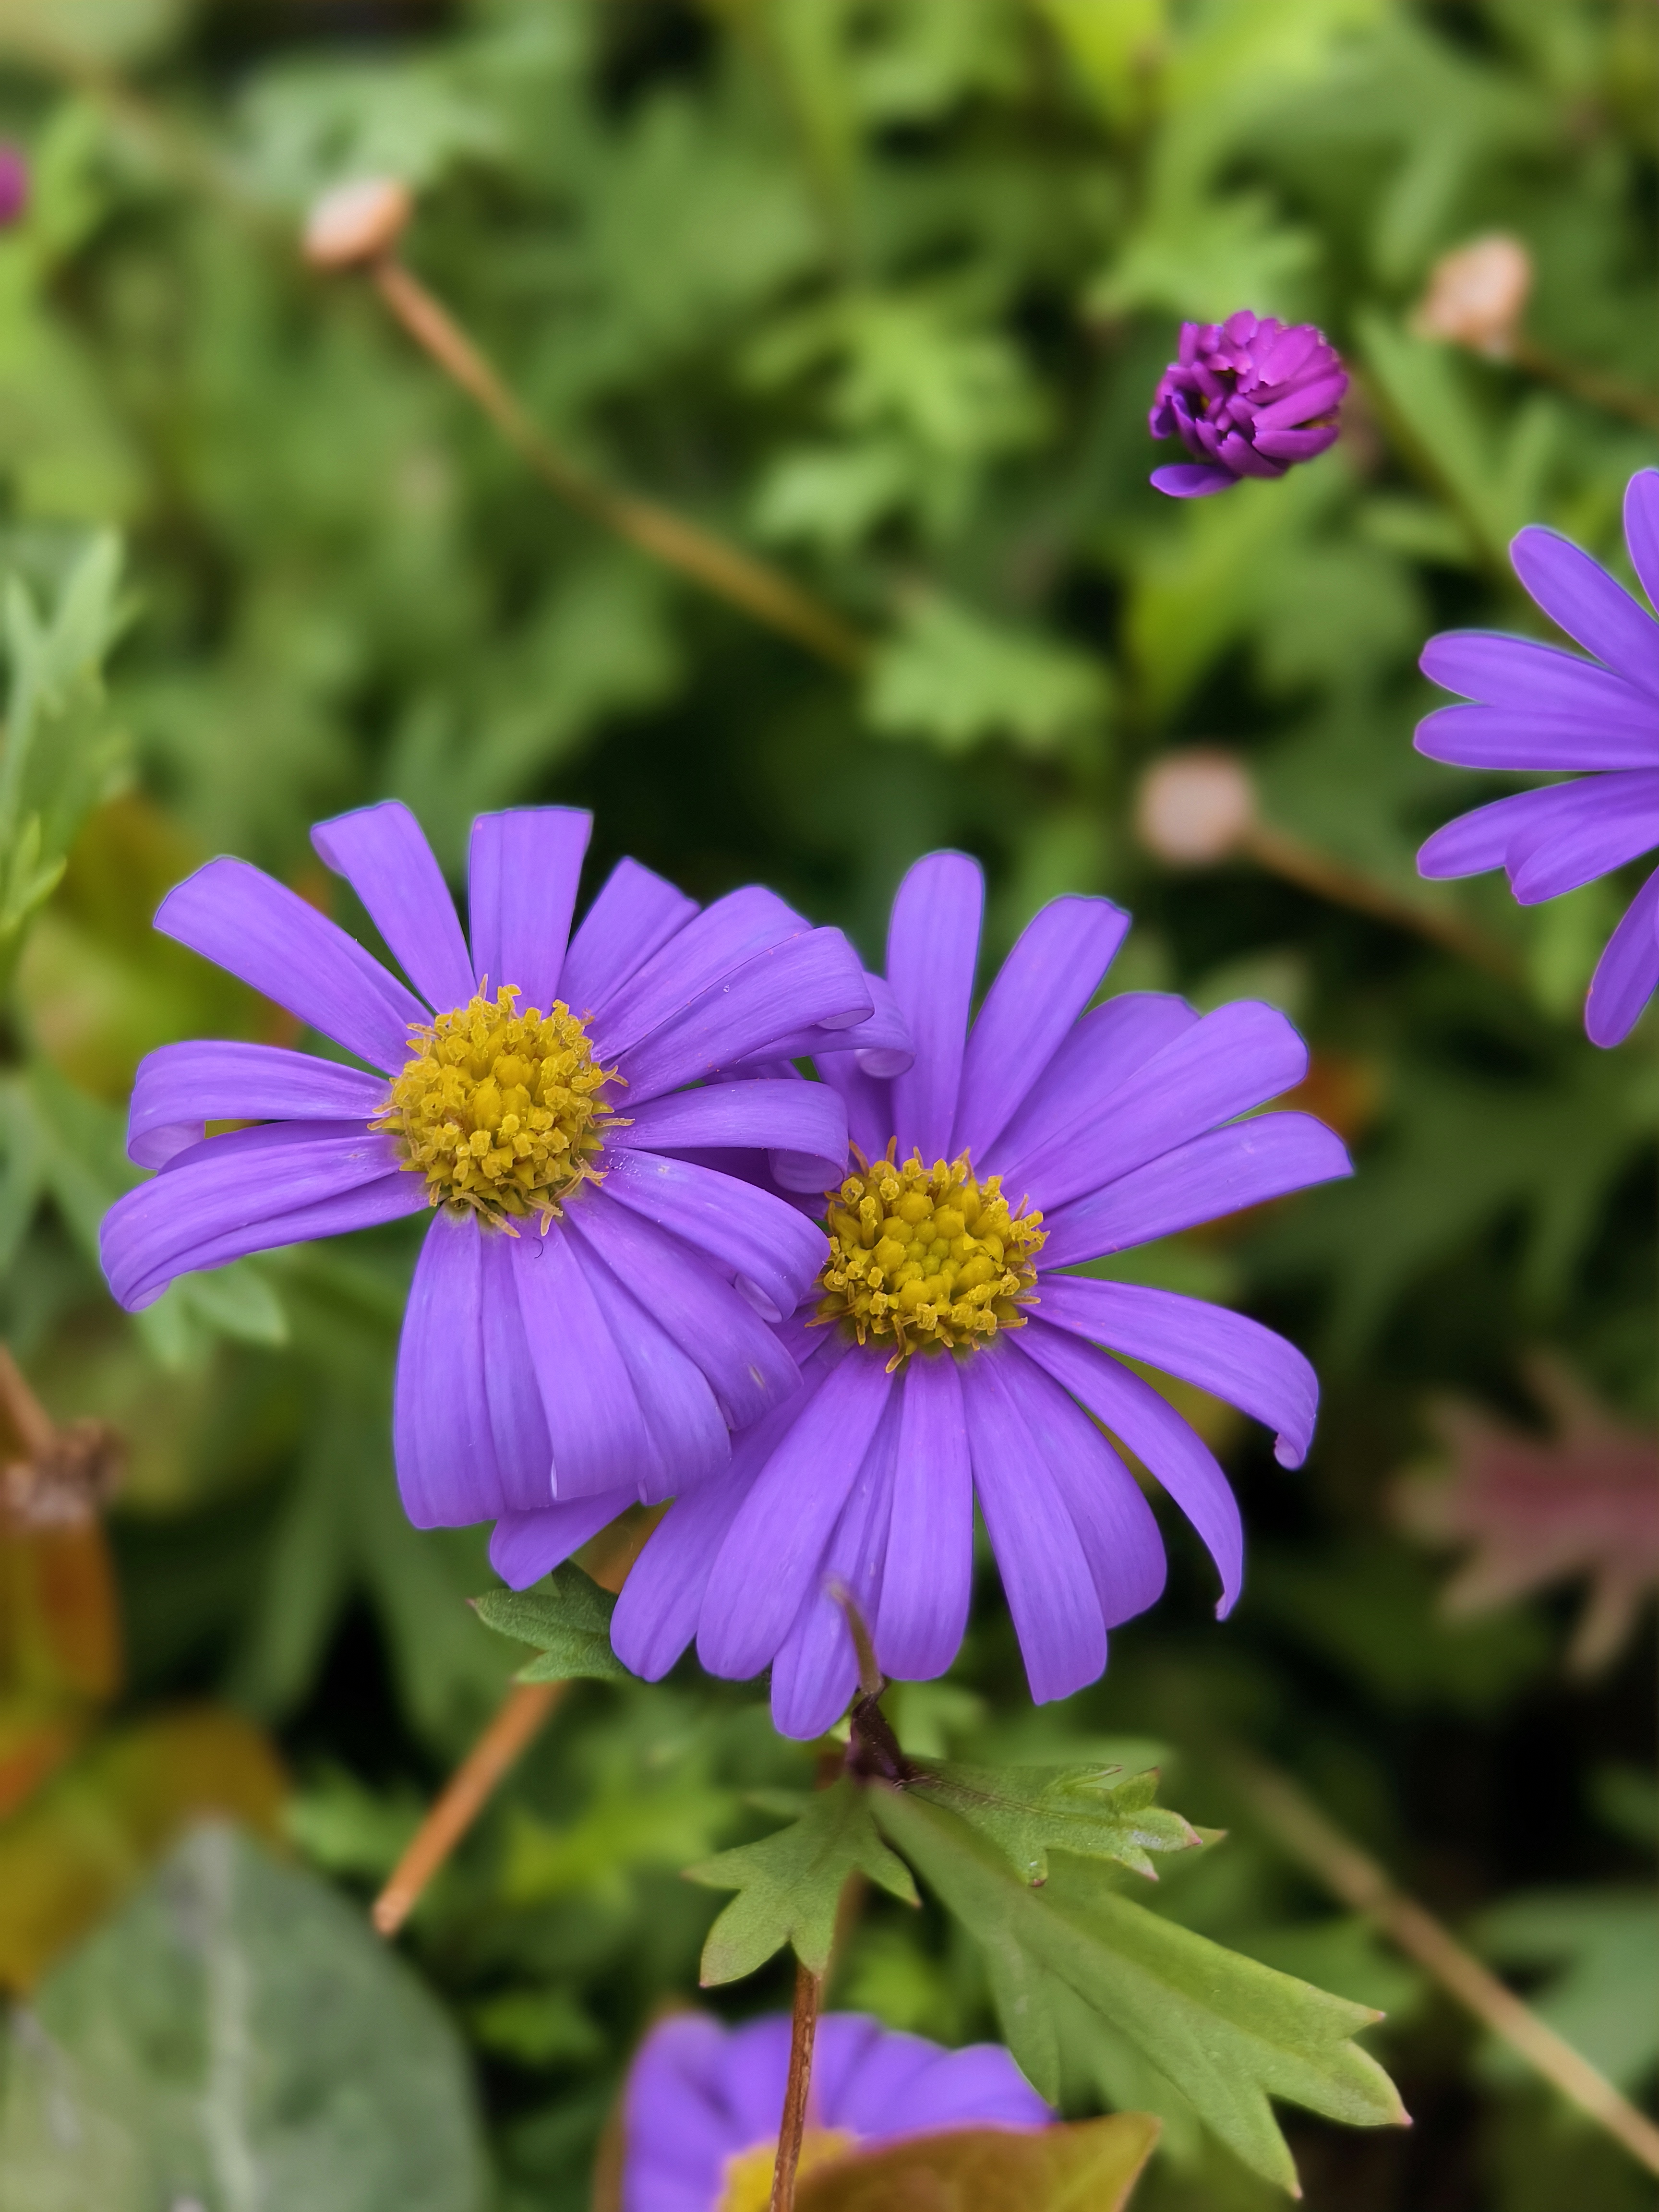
<point>567,1619</point>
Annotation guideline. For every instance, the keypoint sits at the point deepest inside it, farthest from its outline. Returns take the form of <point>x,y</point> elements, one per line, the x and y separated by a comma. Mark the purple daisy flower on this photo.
<point>1538,708</point>
<point>1247,398</point>
<point>705,2102</point>
<point>589,1315</point>
<point>946,1352</point>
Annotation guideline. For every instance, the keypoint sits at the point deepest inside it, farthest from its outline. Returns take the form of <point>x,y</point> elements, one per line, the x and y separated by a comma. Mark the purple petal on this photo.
<point>1499,738</point>
<point>1583,599</point>
<point>1219,1173</point>
<point>865,2083</point>
<point>933,944</point>
<point>656,1615</point>
<point>688,1439</point>
<point>440,1431</point>
<point>1614,819</point>
<point>1314,397</point>
<point>380,852</point>
<point>179,1088</point>
<point>762,1243</point>
<point>521,880</point>
<point>749,1370</point>
<point>635,915</point>
<point>774,1548</point>
<point>1045,1572</point>
<point>1102,1051</point>
<point>1627,974</point>
<point>868,1101</point>
<point>246,922</point>
<point>250,1192</point>
<point>881,1043</point>
<point>817,1669</point>
<point>724,936</point>
<point>1233,1060</point>
<point>680,2126</point>
<point>1226,1353</point>
<point>807,979</point>
<point>524,1449</point>
<point>1044,985</point>
<point>927,1581</point>
<point>1478,841</point>
<point>1642,528</point>
<point>980,2086</point>
<point>593,1418</point>
<point>1290,445</point>
<point>1152,1430</point>
<point>1191,480</point>
<point>1539,680</point>
<point>807,1120</point>
<point>525,1546</point>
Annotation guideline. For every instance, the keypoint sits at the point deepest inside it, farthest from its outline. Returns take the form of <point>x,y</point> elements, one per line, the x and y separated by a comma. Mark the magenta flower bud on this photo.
<point>1247,398</point>
<point>13,184</point>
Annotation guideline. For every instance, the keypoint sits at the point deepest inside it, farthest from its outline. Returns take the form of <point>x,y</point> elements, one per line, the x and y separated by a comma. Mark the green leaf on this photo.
<point>949,675</point>
<point>788,1885</point>
<point>1090,2167</point>
<point>1027,1811</point>
<point>568,1619</point>
<point>1227,2031</point>
<point>237,2038</point>
<point>1603,1947</point>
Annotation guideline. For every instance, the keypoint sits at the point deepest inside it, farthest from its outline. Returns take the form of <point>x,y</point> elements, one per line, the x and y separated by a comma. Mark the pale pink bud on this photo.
<point>1195,807</point>
<point>1477,296</point>
<point>357,222</point>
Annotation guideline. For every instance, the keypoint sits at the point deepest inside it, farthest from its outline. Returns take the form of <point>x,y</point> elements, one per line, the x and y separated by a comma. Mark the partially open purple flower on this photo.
<point>956,1356</point>
<point>1247,398</point>
<point>586,1316</point>
<point>705,2102</point>
<point>1538,709</point>
<point>13,184</point>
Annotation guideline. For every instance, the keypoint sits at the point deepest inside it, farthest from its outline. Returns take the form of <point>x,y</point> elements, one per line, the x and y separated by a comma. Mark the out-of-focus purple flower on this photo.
<point>705,2102</point>
<point>588,1316</point>
<point>957,1355</point>
<point>1247,398</point>
<point>1537,709</point>
<point>13,184</point>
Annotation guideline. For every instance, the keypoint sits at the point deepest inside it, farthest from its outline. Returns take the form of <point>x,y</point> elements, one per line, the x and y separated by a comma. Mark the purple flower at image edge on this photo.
<point>1247,398</point>
<point>988,1370</point>
<point>1535,709</point>
<point>588,1318</point>
<point>704,2104</point>
<point>13,184</point>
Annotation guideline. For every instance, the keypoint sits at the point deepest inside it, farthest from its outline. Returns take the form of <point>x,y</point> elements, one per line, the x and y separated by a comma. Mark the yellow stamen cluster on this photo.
<point>926,1255</point>
<point>748,2175</point>
<point>501,1111</point>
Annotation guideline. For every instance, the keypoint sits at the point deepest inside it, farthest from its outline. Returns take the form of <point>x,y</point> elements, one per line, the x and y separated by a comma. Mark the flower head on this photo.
<point>1247,398</point>
<point>704,2104</point>
<point>1537,709</point>
<point>588,1316</point>
<point>13,184</point>
<point>950,1352</point>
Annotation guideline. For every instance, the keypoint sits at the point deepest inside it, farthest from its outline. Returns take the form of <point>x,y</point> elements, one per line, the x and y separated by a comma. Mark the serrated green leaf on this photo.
<point>788,1885</point>
<point>1227,2031</point>
<point>567,1619</point>
<point>1027,1811</point>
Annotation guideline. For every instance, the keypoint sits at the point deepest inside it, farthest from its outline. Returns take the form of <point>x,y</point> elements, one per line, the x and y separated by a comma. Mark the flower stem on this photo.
<point>803,2033</point>
<point>1610,394</point>
<point>759,590</point>
<point>1305,1831</point>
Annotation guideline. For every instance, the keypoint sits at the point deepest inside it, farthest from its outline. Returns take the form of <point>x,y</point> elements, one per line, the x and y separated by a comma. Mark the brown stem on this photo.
<point>1349,1873</point>
<point>526,1708</point>
<point>729,574</point>
<point>803,2033</point>
<point>1610,394</point>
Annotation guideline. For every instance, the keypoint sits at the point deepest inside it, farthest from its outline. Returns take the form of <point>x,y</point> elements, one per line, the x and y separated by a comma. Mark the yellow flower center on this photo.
<point>501,1111</point>
<point>748,2174</point>
<point>926,1255</point>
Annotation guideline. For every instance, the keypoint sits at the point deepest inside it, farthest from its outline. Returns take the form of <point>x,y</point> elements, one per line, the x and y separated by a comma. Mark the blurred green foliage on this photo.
<point>878,288</point>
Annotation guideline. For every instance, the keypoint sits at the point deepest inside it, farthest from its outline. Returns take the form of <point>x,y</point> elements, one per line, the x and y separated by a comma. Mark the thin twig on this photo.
<point>729,574</point>
<point>803,2033</point>
<point>1610,394</point>
<point>1351,1875</point>
<point>521,1714</point>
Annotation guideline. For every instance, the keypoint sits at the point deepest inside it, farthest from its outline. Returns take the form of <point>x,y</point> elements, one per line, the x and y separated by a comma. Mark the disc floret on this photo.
<point>922,1255</point>
<point>501,1111</point>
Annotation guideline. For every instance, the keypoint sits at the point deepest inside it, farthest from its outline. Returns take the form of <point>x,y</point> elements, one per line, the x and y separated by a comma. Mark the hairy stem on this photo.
<point>759,590</point>
<point>803,2033</point>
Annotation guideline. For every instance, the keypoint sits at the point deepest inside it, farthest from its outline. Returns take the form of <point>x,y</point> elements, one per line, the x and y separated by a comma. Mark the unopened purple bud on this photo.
<point>13,184</point>
<point>1247,398</point>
